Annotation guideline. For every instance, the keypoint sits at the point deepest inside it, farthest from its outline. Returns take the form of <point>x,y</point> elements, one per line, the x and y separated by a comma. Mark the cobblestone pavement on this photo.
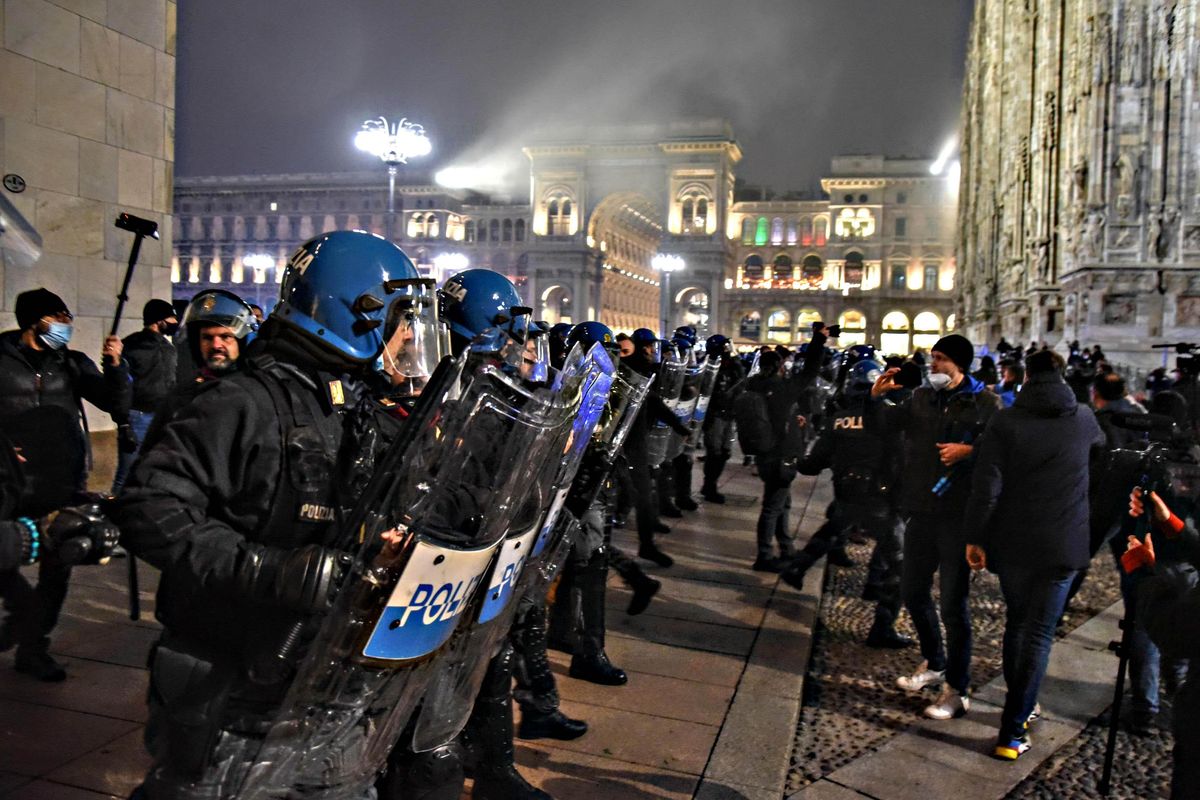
<point>851,703</point>
<point>1141,767</point>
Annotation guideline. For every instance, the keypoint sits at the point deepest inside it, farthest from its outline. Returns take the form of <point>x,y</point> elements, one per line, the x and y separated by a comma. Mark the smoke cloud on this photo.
<point>263,89</point>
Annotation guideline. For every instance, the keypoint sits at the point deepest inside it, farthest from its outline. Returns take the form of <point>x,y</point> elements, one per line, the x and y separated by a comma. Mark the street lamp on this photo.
<point>666,264</point>
<point>393,144</point>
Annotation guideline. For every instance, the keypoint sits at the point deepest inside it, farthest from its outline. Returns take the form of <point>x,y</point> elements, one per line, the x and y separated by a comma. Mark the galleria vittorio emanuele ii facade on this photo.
<point>1079,215</point>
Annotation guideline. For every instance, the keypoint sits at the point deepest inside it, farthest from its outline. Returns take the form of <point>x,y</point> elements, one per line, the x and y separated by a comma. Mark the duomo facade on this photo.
<point>1079,215</point>
<point>876,254</point>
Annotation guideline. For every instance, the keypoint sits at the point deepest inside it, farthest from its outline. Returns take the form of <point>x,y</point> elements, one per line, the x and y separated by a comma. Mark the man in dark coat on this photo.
<point>150,354</point>
<point>1032,457</point>
<point>940,423</point>
<point>42,386</point>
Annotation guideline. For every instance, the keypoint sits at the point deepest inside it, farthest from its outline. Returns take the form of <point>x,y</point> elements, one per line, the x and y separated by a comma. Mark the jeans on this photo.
<point>1146,664</point>
<point>933,544</point>
<point>1035,596</point>
<point>139,421</point>
<point>777,480</point>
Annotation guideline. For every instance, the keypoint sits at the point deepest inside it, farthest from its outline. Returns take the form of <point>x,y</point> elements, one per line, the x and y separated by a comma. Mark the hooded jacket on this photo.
<point>1029,489</point>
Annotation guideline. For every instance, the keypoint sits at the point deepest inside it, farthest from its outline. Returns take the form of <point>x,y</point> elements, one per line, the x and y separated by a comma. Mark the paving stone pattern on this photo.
<point>851,703</point>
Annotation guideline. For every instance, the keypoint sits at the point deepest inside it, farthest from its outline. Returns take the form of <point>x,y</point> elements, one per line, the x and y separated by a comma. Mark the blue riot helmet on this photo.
<point>686,332</point>
<point>718,345</point>
<point>476,300</point>
<point>589,334</point>
<point>347,293</point>
<point>860,378</point>
<point>643,338</point>
<point>858,353</point>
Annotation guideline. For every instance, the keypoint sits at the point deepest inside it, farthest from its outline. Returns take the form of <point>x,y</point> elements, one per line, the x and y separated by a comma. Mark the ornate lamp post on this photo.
<point>393,144</point>
<point>666,264</point>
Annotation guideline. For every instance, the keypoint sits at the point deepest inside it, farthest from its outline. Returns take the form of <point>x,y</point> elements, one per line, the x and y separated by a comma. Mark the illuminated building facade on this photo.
<point>877,254</point>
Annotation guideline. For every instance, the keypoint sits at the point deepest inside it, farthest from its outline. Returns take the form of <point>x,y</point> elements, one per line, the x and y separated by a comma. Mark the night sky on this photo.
<point>281,86</point>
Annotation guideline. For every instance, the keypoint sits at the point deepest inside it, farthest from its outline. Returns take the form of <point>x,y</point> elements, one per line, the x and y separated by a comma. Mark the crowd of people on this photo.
<point>361,551</point>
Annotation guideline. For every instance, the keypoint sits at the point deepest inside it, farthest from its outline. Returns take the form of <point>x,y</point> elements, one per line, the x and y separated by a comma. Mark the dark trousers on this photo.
<point>773,522</point>
<point>933,544</point>
<point>641,484</point>
<point>1034,596</point>
<point>717,450</point>
<point>33,613</point>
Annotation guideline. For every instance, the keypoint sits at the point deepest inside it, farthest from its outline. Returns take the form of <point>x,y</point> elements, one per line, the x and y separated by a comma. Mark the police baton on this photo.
<point>140,228</point>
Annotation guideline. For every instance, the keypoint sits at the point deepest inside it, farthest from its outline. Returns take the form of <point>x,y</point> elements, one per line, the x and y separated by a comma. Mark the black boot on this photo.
<point>644,587</point>
<point>489,738</point>
<point>564,612</point>
<point>537,691</point>
<point>590,662</point>
<point>35,661</point>
<point>682,467</point>
<point>433,775</point>
<point>652,553</point>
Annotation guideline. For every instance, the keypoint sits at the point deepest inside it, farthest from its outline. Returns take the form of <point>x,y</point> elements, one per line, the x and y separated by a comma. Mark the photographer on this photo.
<point>1169,602</point>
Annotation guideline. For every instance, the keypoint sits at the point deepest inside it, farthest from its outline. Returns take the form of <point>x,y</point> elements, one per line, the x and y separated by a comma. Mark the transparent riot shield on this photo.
<point>708,382</point>
<point>445,510</point>
<point>670,386</point>
<point>685,409</point>
<point>579,394</point>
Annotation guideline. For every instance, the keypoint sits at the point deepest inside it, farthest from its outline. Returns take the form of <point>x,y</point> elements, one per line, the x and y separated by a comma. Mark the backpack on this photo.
<point>755,434</point>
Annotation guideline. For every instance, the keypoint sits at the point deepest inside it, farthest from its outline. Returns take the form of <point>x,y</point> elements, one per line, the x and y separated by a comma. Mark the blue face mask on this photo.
<point>57,337</point>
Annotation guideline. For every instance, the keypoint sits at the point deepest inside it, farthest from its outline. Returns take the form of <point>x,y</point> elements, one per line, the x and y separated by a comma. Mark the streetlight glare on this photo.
<point>664,262</point>
<point>944,156</point>
<point>393,143</point>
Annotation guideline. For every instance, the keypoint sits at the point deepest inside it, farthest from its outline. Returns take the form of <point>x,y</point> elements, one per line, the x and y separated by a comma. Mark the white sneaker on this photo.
<point>950,705</point>
<point>924,676</point>
<point>1034,715</point>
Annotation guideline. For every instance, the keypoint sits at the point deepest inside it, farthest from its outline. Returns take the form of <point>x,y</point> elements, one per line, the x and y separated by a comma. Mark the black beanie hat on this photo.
<point>956,348</point>
<point>35,304</point>
<point>156,311</point>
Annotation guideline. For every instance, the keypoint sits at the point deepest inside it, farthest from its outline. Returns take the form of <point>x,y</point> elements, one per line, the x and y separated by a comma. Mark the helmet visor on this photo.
<point>528,357</point>
<point>220,308</point>
<point>413,339</point>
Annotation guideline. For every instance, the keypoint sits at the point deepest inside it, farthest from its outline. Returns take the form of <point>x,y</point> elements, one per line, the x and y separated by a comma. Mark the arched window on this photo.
<point>752,270</point>
<point>688,211</point>
<point>508,230</point>
<point>894,339</point>
<point>781,272</point>
<point>494,230</point>
<point>520,234</point>
<point>927,329</point>
<point>747,230</point>
<point>852,270</point>
<point>558,216</point>
<point>806,231</point>
<point>750,326</point>
<point>779,327</point>
<point>433,226</point>
<point>854,328</point>
<point>791,231</point>
<point>950,321</point>
<point>469,232</point>
<point>812,272</point>
<point>777,231</point>
<point>481,231</point>
<point>760,231</point>
<point>700,221</point>
<point>931,278</point>
<point>821,225</point>
<point>805,318</point>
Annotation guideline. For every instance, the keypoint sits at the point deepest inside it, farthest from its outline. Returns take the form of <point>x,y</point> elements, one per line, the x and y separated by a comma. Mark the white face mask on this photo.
<point>939,380</point>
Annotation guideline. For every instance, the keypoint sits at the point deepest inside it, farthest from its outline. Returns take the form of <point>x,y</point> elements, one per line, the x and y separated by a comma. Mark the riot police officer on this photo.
<point>234,501</point>
<point>865,473</point>
<point>718,424</point>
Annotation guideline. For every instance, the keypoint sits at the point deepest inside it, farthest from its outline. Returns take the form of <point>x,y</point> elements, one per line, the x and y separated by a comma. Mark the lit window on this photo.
<point>854,328</point>
<point>931,278</point>
<point>779,327</point>
<point>274,206</point>
<point>791,231</point>
<point>760,231</point>
<point>899,277</point>
<point>855,224</point>
<point>822,231</point>
<point>750,326</point>
<point>748,230</point>
<point>777,231</point>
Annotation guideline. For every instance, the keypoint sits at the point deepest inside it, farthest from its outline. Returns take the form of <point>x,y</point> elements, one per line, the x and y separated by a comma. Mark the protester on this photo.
<point>940,424</point>
<point>150,354</point>
<point>1028,522</point>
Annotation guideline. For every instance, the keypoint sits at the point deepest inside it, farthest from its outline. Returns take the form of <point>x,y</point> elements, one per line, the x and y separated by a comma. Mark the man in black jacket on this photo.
<point>41,378</point>
<point>940,424</point>
<point>718,423</point>
<point>1028,522</point>
<point>777,468</point>
<point>150,354</point>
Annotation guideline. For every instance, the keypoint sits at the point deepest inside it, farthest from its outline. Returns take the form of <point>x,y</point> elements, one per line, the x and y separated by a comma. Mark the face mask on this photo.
<point>57,336</point>
<point>170,329</point>
<point>939,380</point>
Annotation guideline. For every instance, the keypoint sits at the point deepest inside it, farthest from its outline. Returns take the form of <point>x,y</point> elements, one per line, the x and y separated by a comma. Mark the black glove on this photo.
<point>82,535</point>
<point>303,579</point>
<point>127,441</point>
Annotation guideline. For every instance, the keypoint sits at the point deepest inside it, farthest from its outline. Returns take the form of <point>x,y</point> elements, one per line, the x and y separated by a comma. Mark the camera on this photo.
<point>137,225</point>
